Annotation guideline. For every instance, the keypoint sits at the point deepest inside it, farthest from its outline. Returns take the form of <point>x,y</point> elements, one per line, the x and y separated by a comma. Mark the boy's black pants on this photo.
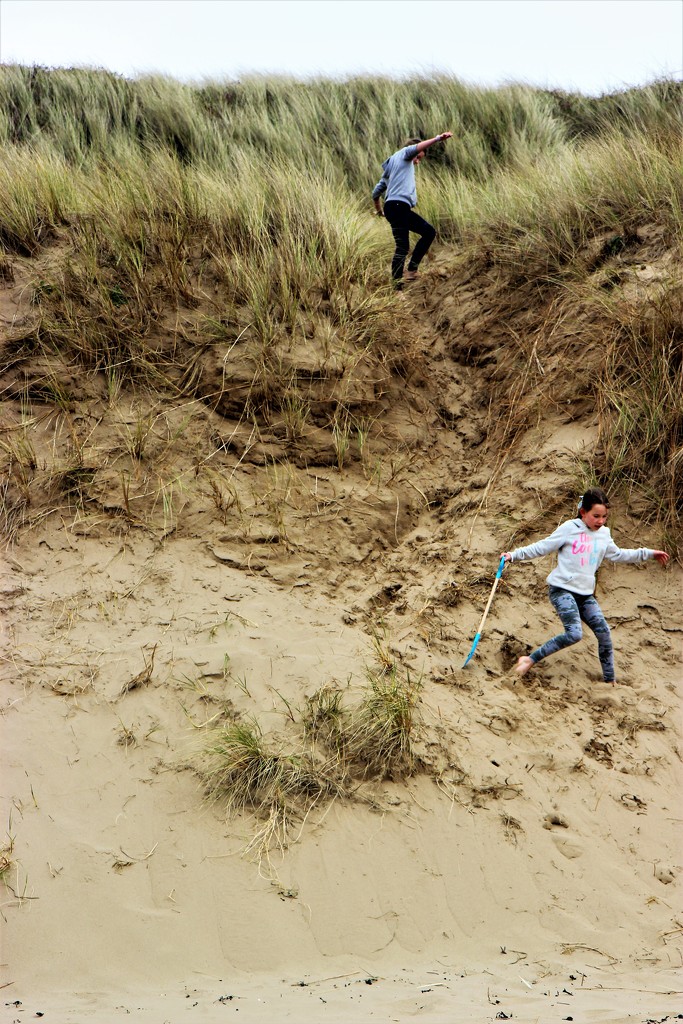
<point>403,220</point>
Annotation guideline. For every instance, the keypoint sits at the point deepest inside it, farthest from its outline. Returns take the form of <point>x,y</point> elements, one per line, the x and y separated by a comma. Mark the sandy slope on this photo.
<point>532,869</point>
<point>136,888</point>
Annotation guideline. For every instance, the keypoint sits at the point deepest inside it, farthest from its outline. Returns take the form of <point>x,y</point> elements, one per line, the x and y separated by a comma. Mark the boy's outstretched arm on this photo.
<point>421,146</point>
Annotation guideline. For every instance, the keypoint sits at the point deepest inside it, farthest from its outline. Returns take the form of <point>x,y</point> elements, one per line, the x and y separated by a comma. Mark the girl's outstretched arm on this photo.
<point>542,547</point>
<point>617,554</point>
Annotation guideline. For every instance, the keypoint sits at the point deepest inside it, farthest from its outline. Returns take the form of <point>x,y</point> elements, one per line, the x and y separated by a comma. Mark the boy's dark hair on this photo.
<point>593,496</point>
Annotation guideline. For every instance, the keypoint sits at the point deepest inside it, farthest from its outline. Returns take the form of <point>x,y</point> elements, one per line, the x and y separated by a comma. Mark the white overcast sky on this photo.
<point>592,46</point>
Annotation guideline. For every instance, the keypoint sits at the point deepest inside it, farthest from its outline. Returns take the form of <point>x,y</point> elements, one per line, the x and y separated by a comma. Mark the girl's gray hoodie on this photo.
<point>579,553</point>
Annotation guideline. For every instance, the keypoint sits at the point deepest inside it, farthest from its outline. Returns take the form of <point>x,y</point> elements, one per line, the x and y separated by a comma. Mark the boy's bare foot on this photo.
<point>523,665</point>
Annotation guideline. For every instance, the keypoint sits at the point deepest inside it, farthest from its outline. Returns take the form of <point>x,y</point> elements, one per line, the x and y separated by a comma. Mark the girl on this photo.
<point>581,545</point>
<point>397,184</point>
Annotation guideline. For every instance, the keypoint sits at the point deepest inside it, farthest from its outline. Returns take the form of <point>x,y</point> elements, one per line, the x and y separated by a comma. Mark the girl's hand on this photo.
<point>507,555</point>
<point>661,557</point>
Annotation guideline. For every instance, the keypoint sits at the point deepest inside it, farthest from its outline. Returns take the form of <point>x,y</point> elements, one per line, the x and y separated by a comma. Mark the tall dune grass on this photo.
<point>147,233</point>
<point>37,190</point>
<point>348,125</point>
<point>641,407</point>
<point>248,202</point>
<point>535,220</point>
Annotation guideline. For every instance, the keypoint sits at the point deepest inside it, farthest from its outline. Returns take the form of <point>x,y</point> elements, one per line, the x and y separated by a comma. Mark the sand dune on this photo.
<point>530,869</point>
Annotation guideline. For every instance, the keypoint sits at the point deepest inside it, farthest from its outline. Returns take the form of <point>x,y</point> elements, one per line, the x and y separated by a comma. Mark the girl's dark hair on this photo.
<point>593,496</point>
<point>412,141</point>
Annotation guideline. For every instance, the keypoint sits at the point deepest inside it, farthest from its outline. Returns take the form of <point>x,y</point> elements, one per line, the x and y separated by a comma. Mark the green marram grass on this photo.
<point>381,730</point>
<point>246,773</point>
<point>249,203</point>
<point>374,738</point>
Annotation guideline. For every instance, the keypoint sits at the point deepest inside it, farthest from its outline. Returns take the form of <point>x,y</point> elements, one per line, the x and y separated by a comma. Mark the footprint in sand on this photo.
<point>568,847</point>
<point>555,820</point>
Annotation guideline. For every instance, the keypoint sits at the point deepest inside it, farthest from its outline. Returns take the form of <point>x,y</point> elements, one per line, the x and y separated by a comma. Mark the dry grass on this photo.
<point>244,773</point>
<point>372,739</point>
<point>641,408</point>
<point>167,269</point>
<point>7,863</point>
<point>379,740</point>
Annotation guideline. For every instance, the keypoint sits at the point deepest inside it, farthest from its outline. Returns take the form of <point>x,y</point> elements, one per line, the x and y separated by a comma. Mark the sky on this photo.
<point>590,46</point>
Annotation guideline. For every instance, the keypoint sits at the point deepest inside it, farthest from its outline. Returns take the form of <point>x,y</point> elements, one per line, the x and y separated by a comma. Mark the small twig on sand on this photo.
<point>571,947</point>
<point>125,860</point>
<point>421,493</point>
<point>623,988</point>
<point>139,860</point>
<point>142,678</point>
<point>319,981</point>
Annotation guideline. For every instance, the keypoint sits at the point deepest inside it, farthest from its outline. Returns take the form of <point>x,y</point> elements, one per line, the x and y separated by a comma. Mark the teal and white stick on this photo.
<point>477,636</point>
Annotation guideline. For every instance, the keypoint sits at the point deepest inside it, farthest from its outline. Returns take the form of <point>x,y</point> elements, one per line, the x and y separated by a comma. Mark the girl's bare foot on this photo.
<point>523,665</point>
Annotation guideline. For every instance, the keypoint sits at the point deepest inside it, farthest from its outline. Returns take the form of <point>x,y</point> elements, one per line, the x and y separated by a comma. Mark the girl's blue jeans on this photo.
<point>573,609</point>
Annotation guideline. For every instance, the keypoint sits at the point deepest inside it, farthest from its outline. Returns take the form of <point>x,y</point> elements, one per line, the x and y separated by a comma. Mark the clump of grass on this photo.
<point>295,414</point>
<point>378,741</point>
<point>13,511</point>
<point>243,771</point>
<point>325,718</point>
<point>224,494</point>
<point>341,436</point>
<point>6,860</point>
<point>246,774</point>
<point>37,189</point>
<point>372,739</point>
<point>19,463</point>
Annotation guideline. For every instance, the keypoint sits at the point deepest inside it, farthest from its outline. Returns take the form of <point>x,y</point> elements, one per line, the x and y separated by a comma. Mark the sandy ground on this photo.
<point>530,870</point>
<point>533,870</point>
<point>436,994</point>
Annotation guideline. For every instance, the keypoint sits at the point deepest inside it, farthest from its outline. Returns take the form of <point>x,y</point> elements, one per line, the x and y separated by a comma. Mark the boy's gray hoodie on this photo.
<point>579,553</point>
<point>398,179</point>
